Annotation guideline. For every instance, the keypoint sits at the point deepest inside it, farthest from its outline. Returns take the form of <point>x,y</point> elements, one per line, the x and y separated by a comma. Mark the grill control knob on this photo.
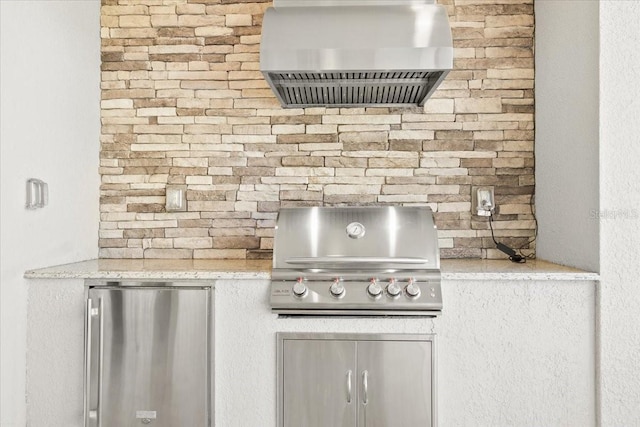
<point>413,290</point>
<point>374,289</point>
<point>299,288</point>
<point>393,289</point>
<point>337,288</point>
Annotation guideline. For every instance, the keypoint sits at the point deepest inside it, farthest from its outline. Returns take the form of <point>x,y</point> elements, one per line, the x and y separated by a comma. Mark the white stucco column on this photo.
<point>619,304</point>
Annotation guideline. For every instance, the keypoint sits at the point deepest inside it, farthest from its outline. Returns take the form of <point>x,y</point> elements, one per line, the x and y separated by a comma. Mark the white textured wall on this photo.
<point>567,132</point>
<point>50,126</point>
<point>510,354</point>
<point>620,208</point>
<point>517,354</point>
<point>55,358</point>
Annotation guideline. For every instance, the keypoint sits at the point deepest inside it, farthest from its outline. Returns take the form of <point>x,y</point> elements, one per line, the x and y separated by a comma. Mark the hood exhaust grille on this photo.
<point>355,53</point>
<point>355,89</point>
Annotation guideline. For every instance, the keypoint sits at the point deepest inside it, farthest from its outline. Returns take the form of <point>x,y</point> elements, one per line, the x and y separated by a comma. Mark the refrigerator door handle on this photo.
<point>94,416</point>
<point>100,359</point>
<point>87,360</point>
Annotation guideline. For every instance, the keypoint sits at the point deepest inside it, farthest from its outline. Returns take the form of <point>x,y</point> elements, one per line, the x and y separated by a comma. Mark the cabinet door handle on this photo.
<point>349,373</point>
<point>365,387</point>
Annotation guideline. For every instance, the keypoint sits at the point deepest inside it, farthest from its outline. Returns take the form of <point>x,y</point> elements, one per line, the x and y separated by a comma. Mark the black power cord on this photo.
<point>516,255</point>
<point>535,231</point>
<point>511,253</point>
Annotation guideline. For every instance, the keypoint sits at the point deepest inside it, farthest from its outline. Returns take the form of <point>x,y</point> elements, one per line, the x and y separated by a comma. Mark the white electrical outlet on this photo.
<point>176,198</point>
<point>483,201</point>
<point>37,193</point>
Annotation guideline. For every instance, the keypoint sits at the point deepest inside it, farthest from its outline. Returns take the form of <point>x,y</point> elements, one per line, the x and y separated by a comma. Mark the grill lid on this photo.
<point>353,53</point>
<point>356,238</point>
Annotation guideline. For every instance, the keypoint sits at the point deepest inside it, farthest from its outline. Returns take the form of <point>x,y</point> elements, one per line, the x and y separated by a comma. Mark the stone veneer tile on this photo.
<point>183,102</point>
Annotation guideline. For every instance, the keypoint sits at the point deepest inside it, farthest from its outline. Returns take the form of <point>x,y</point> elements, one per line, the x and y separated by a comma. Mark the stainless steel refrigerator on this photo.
<point>148,355</point>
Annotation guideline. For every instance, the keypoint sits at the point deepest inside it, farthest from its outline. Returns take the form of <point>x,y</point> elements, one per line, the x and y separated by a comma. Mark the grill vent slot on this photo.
<point>355,88</point>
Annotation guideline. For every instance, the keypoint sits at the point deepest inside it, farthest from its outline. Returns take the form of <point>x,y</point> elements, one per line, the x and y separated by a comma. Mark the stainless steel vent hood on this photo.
<point>354,53</point>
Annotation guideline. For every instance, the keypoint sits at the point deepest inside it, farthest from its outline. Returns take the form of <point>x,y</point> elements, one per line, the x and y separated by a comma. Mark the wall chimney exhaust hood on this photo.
<point>355,53</point>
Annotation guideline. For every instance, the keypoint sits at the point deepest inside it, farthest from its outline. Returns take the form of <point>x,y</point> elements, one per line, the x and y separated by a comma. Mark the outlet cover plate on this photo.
<point>176,198</point>
<point>480,196</point>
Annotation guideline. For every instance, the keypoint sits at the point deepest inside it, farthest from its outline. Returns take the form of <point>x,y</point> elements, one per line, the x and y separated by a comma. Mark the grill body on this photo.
<point>364,261</point>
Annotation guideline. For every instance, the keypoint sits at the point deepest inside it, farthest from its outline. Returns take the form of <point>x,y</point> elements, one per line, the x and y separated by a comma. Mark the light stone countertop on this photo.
<point>184,269</point>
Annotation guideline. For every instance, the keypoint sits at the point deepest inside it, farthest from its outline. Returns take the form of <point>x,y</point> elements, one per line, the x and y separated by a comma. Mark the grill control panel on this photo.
<point>378,293</point>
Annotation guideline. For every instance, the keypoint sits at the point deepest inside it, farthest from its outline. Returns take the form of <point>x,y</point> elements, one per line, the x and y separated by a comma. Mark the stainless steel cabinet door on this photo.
<point>149,357</point>
<point>395,380</point>
<point>319,386</point>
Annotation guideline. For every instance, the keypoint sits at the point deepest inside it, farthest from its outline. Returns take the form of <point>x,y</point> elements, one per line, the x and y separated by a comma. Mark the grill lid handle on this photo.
<point>355,260</point>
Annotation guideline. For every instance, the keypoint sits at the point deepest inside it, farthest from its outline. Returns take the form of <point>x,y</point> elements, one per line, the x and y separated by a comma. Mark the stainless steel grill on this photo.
<point>355,88</point>
<point>363,261</point>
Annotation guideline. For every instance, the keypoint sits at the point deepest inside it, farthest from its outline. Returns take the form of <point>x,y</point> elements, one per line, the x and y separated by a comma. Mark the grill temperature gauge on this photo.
<point>355,230</point>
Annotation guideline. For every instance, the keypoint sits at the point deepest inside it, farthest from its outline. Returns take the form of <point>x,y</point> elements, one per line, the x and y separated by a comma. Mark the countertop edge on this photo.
<point>530,276</point>
<point>474,277</point>
<point>468,270</point>
<point>151,275</point>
